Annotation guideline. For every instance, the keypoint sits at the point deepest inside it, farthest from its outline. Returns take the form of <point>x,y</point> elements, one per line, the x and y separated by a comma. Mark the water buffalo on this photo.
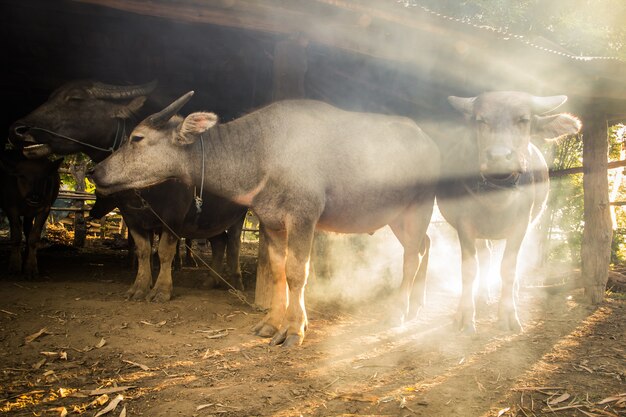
<point>95,118</point>
<point>27,190</point>
<point>496,183</point>
<point>299,165</point>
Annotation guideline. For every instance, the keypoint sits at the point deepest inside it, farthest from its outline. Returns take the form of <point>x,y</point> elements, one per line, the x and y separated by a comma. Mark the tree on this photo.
<point>584,27</point>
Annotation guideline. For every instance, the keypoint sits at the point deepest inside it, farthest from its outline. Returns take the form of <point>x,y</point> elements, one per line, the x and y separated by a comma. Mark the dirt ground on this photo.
<point>69,342</point>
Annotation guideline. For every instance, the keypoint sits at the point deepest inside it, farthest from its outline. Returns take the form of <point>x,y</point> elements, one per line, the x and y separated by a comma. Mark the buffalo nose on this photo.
<point>498,153</point>
<point>18,130</point>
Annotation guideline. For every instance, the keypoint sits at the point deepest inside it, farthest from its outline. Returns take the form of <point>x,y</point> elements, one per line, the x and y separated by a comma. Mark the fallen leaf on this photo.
<point>64,392</point>
<point>111,390</point>
<point>34,336</point>
<point>102,343</point>
<point>112,405</point>
<point>8,312</point>
<point>39,364</point>
<point>611,399</point>
<point>101,400</point>
<point>123,413</point>
<point>217,335</point>
<point>59,355</point>
<point>504,410</point>
<point>559,399</point>
<point>62,411</point>
<point>159,324</point>
<point>142,366</point>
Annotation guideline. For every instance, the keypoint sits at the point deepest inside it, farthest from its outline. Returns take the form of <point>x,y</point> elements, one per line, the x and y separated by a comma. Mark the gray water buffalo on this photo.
<point>95,118</point>
<point>300,165</point>
<point>496,183</point>
<point>27,190</point>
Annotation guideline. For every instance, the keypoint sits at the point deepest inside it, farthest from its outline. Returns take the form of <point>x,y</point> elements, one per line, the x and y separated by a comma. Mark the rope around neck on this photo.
<point>198,198</point>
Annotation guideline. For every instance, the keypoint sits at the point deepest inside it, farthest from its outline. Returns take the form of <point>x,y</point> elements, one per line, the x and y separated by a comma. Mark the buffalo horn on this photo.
<point>546,104</point>
<point>108,91</point>
<point>166,114</point>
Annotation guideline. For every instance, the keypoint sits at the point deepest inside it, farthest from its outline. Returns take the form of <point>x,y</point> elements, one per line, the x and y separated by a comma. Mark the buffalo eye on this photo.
<point>523,120</point>
<point>136,138</point>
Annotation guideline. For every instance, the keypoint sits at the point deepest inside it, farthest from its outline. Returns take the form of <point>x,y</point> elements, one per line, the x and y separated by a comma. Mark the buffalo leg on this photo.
<point>132,252</point>
<point>466,312</point>
<point>507,311</point>
<point>162,290</point>
<point>31,269</point>
<point>277,254</point>
<point>233,248</point>
<point>410,229</point>
<point>419,289</point>
<point>218,249</point>
<point>189,258</point>
<point>484,251</point>
<point>143,250</point>
<point>294,323</point>
<point>15,259</point>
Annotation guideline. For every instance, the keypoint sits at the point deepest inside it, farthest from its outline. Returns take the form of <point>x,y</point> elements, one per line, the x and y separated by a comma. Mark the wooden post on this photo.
<point>598,232</point>
<point>290,65</point>
<point>78,170</point>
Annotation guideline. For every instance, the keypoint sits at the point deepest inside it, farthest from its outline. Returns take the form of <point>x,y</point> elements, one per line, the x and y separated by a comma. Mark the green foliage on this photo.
<point>585,27</point>
<point>566,201</point>
<point>68,180</point>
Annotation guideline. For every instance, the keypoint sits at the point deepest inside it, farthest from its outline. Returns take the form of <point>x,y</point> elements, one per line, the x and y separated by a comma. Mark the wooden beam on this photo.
<point>598,231</point>
<point>580,170</point>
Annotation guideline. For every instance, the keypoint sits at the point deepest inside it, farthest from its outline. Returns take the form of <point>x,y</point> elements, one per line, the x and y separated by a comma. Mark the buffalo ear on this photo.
<point>464,105</point>
<point>127,111</point>
<point>195,125</point>
<point>555,126</point>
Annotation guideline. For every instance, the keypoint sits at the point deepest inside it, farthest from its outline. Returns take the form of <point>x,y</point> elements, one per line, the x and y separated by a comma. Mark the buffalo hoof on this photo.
<point>464,322</point>
<point>159,295</point>
<point>282,338</point>
<point>136,294</point>
<point>236,281</point>
<point>265,330</point>
<point>414,312</point>
<point>509,322</point>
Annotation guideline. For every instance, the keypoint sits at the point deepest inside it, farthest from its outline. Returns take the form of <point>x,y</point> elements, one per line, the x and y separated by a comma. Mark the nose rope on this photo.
<point>110,149</point>
<point>234,291</point>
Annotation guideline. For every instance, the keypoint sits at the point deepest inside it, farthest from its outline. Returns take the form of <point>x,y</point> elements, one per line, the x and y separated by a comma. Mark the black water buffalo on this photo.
<point>496,183</point>
<point>306,165</point>
<point>95,118</point>
<point>27,190</point>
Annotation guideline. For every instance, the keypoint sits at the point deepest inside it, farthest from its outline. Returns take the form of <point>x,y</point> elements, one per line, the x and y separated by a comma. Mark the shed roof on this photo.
<point>443,48</point>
